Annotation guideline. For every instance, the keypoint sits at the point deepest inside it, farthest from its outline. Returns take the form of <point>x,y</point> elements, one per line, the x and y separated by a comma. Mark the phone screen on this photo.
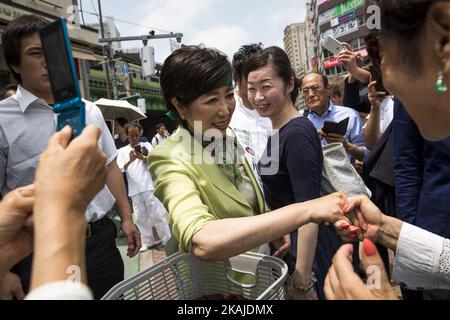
<point>138,149</point>
<point>58,62</point>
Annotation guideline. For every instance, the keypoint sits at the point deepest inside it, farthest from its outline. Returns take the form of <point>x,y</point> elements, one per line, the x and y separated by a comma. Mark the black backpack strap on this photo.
<point>306,112</point>
<point>157,140</point>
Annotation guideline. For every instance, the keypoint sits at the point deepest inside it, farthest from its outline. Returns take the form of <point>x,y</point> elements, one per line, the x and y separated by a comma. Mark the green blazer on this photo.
<point>193,188</point>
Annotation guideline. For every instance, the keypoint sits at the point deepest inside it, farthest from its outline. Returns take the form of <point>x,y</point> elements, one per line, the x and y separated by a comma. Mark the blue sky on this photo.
<point>223,24</point>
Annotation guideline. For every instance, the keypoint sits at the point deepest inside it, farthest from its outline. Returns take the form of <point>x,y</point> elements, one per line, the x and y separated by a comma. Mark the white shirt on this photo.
<point>157,139</point>
<point>26,125</point>
<point>422,259</point>
<point>61,290</point>
<point>253,131</point>
<point>355,132</point>
<point>386,113</point>
<point>138,176</point>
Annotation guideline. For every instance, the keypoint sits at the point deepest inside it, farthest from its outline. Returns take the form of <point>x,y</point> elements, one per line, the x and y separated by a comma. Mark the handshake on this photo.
<point>356,218</point>
<point>353,217</point>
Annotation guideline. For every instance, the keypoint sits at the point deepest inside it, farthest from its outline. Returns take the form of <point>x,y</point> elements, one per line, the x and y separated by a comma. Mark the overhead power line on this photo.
<point>127,22</point>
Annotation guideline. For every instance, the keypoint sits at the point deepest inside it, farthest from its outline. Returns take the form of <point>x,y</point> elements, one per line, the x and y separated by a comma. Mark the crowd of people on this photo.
<point>244,169</point>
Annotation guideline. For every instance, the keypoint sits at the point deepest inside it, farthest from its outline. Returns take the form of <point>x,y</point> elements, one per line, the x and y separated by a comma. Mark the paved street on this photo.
<point>141,261</point>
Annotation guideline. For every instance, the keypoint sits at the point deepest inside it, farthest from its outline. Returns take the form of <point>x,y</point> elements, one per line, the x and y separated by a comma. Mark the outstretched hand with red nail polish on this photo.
<point>342,283</point>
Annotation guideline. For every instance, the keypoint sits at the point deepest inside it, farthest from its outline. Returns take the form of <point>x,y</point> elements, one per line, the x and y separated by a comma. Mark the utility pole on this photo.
<point>144,40</point>
<point>105,53</point>
<point>112,67</point>
<point>108,49</point>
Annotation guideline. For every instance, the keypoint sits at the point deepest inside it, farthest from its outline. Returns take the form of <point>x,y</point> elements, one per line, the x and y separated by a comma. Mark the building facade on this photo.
<point>344,20</point>
<point>295,47</point>
<point>312,36</point>
<point>110,30</point>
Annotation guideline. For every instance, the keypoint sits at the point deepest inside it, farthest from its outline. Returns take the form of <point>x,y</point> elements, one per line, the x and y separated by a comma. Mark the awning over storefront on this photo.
<point>83,54</point>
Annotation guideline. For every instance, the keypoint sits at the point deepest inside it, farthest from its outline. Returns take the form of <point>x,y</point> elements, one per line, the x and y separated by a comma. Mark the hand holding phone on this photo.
<point>379,86</point>
<point>138,149</point>
<point>139,152</point>
<point>349,58</point>
<point>333,45</point>
<point>376,96</point>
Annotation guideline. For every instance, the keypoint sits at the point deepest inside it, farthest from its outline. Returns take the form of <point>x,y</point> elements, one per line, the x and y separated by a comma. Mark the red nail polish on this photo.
<point>369,248</point>
<point>344,225</point>
<point>345,208</point>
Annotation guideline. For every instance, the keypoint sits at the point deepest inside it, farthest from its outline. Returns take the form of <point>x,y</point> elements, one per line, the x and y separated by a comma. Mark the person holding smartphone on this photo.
<point>316,94</point>
<point>381,103</point>
<point>415,47</point>
<point>27,122</point>
<point>132,160</point>
<point>381,114</point>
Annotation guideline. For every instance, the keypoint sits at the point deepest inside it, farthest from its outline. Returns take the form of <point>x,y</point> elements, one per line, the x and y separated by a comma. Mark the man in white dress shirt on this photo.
<point>27,122</point>
<point>252,130</point>
<point>161,134</point>
<point>132,159</point>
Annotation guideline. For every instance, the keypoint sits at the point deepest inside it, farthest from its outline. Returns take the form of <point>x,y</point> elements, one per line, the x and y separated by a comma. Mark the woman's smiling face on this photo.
<point>267,92</point>
<point>213,110</point>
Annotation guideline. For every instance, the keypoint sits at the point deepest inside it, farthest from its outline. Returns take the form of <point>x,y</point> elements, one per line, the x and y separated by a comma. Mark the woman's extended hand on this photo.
<point>329,209</point>
<point>365,218</point>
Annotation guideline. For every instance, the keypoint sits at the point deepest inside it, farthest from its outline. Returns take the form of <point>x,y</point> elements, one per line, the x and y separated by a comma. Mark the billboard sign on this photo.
<point>340,10</point>
<point>340,30</point>
<point>346,17</point>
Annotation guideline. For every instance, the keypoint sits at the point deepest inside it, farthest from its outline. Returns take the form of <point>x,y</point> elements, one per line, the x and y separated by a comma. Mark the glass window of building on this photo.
<point>327,54</point>
<point>362,42</point>
<point>361,21</point>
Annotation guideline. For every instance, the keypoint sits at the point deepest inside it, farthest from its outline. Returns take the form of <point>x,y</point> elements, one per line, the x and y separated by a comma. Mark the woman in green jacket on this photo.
<point>206,181</point>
